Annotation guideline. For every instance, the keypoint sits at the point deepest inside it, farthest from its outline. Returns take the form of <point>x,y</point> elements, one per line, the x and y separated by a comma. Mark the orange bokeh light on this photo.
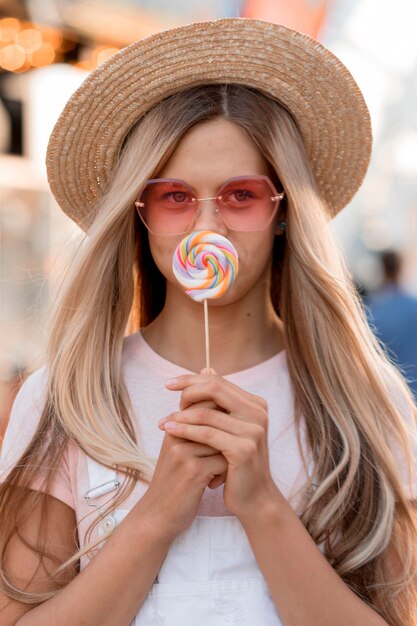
<point>43,56</point>
<point>9,27</point>
<point>30,39</point>
<point>12,57</point>
<point>52,36</point>
<point>23,68</point>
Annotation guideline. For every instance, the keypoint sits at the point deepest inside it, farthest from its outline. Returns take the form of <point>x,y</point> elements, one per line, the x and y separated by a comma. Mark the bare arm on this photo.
<point>304,586</point>
<point>110,590</point>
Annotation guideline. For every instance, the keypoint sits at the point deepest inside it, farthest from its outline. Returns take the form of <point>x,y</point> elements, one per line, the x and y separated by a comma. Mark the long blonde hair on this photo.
<point>352,398</point>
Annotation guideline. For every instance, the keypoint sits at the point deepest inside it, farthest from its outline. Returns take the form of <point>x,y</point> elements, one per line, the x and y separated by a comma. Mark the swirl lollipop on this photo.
<point>206,264</point>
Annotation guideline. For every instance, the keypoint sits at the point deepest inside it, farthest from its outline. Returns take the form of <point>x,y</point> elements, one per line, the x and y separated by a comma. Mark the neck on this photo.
<point>242,333</point>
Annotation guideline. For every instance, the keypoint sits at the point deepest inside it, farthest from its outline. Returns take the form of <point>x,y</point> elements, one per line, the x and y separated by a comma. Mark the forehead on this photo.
<point>215,151</point>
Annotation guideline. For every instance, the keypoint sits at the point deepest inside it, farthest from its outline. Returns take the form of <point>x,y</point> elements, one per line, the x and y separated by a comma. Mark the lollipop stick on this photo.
<point>206,328</point>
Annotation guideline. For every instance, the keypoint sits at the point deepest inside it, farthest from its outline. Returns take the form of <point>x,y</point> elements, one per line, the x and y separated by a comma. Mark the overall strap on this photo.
<point>102,480</point>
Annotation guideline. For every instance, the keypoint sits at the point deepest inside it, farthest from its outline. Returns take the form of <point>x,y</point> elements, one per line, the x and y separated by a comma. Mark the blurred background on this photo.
<point>48,47</point>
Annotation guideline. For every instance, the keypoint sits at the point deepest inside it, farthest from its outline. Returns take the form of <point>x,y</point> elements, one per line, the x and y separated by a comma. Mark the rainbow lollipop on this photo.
<point>206,264</point>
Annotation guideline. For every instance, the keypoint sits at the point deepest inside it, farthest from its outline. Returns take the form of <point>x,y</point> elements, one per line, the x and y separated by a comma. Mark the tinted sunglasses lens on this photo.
<point>168,207</point>
<point>247,204</point>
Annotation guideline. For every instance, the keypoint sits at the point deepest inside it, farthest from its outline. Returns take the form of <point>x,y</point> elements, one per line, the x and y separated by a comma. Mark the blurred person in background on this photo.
<point>392,313</point>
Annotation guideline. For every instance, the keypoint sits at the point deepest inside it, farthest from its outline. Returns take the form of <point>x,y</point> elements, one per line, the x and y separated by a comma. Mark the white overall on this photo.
<point>210,576</point>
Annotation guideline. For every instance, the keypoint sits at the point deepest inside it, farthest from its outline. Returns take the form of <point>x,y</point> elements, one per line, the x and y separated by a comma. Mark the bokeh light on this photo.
<point>12,57</point>
<point>52,36</point>
<point>24,45</point>
<point>43,56</point>
<point>30,39</point>
<point>9,28</point>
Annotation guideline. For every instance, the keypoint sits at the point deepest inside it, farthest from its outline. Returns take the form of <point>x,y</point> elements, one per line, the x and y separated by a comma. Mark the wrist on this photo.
<point>270,508</point>
<point>153,521</point>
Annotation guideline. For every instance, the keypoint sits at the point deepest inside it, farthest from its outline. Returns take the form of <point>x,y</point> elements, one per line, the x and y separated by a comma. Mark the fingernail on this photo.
<point>171,382</point>
<point>162,421</point>
<point>170,425</point>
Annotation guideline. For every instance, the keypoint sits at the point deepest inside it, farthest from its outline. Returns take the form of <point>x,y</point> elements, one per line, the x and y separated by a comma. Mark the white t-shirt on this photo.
<point>144,373</point>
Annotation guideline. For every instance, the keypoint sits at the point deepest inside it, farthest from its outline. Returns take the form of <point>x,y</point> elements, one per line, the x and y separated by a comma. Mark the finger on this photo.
<point>204,416</point>
<point>217,467</point>
<point>232,446</point>
<point>215,383</point>
<point>217,481</point>
<point>231,398</point>
<point>209,404</point>
<point>193,448</point>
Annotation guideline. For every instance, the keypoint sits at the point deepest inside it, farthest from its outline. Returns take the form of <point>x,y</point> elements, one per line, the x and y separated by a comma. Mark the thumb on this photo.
<point>218,480</point>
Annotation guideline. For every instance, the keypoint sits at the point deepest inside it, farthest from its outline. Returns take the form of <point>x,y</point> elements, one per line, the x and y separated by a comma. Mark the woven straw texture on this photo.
<point>287,65</point>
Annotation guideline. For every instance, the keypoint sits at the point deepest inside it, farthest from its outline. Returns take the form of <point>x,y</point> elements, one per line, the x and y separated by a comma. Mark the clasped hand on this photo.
<point>237,427</point>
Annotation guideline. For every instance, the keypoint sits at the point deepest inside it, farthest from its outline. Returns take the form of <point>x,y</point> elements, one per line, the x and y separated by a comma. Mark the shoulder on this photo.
<point>33,389</point>
<point>25,415</point>
<point>30,399</point>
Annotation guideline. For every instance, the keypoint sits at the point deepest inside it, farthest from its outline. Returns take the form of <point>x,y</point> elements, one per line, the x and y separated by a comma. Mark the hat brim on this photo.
<point>292,68</point>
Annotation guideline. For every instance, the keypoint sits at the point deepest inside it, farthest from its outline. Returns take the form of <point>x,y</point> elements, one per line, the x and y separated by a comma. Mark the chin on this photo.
<point>231,297</point>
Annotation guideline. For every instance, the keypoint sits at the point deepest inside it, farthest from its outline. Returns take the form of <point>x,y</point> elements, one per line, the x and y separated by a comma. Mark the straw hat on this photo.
<point>286,65</point>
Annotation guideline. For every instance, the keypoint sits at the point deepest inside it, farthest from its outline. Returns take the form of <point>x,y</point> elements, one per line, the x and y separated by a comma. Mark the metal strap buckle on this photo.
<point>101,490</point>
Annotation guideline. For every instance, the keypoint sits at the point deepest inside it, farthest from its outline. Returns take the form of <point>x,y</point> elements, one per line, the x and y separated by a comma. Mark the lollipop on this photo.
<point>206,264</point>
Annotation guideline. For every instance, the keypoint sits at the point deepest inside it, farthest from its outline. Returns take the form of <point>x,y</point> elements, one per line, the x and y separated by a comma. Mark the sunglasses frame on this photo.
<point>276,197</point>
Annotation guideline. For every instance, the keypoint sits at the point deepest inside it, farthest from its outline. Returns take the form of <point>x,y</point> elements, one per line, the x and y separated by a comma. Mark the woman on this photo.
<point>284,493</point>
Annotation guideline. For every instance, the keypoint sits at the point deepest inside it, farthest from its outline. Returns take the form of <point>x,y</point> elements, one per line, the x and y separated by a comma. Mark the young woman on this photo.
<point>276,489</point>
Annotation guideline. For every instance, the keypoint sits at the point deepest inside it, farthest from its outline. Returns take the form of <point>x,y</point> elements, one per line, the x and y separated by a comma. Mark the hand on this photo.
<point>183,470</point>
<point>220,478</point>
<point>238,429</point>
